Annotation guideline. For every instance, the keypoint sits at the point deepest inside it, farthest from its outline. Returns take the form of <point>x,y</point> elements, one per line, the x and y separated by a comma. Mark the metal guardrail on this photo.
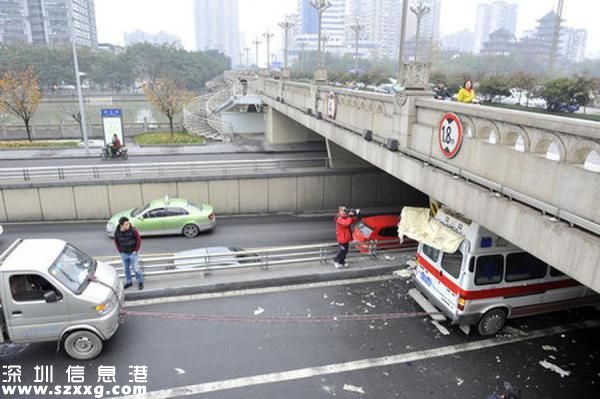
<point>544,207</point>
<point>127,170</point>
<point>254,258</point>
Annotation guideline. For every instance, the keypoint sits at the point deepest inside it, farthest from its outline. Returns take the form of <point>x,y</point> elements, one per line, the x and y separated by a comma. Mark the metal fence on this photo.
<point>262,258</point>
<point>167,169</point>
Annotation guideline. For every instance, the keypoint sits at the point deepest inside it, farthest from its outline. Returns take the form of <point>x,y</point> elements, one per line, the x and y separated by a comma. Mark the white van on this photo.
<point>51,291</point>
<point>475,277</point>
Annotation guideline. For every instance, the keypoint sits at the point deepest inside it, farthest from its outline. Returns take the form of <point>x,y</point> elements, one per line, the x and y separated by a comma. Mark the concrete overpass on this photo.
<point>520,174</point>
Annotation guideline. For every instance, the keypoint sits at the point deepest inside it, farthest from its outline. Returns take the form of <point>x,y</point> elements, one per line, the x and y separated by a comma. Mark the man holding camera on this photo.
<point>343,233</point>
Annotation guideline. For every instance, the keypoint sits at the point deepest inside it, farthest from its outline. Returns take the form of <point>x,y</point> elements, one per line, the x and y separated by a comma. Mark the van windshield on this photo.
<point>72,268</point>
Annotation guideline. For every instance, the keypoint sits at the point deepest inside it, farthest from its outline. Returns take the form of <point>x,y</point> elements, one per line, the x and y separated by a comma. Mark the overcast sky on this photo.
<point>114,17</point>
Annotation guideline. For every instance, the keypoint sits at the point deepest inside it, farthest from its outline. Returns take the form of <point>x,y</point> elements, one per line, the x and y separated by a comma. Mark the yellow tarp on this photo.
<point>417,223</point>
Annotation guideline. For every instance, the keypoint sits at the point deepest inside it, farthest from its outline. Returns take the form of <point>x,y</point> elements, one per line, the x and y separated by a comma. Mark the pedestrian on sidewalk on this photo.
<point>128,242</point>
<point>343,234</point>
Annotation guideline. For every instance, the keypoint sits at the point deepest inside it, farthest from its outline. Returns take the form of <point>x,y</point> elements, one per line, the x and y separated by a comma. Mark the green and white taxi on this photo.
<point>167,216</point>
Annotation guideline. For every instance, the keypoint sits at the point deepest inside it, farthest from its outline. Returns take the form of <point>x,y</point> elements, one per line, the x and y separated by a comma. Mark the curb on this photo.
<point>264,283</point>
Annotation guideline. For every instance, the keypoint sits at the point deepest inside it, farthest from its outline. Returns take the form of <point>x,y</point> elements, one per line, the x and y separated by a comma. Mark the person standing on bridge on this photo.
<point>343,234</point>
<point>466,94</point>
<point>128,242</point>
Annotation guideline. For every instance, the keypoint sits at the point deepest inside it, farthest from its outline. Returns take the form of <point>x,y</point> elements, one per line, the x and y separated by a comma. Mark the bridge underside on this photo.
<point>571,250</point>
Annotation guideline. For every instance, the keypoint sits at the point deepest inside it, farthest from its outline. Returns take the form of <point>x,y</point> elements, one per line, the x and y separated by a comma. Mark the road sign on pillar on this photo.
<point>450,135</point>
<point>112,123</point>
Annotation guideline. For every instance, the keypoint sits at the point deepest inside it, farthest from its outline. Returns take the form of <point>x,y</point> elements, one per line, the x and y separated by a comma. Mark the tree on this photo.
<point>525,82</point>
<point>494,86</point>
<point>74,113</point>
<point>167,96</point>
<point>567,94</point>
<point>20,95</point>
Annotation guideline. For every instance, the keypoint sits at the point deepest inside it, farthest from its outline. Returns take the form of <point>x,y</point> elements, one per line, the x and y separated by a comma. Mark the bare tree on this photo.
<point>20,95</point>
<point>167,96</point>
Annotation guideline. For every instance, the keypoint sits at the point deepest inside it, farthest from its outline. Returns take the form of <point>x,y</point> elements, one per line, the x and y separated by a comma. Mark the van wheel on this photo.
<point>491,322</point>
<point>190,230</point>
<point>83,345</point>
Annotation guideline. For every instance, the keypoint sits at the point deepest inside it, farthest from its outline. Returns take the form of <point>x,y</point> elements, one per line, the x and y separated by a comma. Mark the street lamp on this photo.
<point>302,45</point>
<point>247,51</point>
<point>325,37</point>
<point>268,36</point>
<point>257,44</point>
<point>320,6</point>
<point>286,26</point>
<point>402,40</point>
<point>80,96</point>
<point>357,28</point>
<point>420,11</point>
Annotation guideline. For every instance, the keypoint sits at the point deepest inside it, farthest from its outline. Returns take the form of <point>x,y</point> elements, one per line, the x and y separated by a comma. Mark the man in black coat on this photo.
<point>128,242</point>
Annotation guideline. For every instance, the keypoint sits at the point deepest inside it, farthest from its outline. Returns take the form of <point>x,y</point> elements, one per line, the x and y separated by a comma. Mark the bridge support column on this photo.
<point>339,157</point>
<point>283,130</point>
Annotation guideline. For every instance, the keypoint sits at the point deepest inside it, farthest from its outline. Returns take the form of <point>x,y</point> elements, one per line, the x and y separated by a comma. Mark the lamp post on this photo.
<point>402,40</point>
<point>320,6</point>
<point>286,26</point>
<point>420,11</point>
<point>247,51</point>
<point>302,48</point>
<point>80,96</point>
<point>268,36</point>
<point>257,44</point>
<point>357,28</point>
<point>325,38</point>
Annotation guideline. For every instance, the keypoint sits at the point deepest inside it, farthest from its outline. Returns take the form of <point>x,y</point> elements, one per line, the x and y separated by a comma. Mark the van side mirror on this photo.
<point>50,297</point>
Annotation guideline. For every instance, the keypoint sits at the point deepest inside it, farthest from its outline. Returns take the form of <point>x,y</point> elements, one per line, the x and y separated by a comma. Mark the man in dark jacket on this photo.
<point>343,235</point>
<point>128,242</point>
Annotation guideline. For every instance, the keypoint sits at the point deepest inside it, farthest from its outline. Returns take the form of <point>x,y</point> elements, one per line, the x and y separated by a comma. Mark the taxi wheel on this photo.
<point>190,230</point>
<point>83,345</point>
<point>491,322</point>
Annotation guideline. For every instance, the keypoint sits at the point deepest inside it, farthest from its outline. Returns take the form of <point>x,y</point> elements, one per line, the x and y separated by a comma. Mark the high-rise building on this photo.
<point>217,26</point>
<point>574,44</point>
<point>381,21</point>
<point>333,26</point>
<point>461,42</point>
<point>492,17</point>
<point>159,38</point>
<point>54,22</point>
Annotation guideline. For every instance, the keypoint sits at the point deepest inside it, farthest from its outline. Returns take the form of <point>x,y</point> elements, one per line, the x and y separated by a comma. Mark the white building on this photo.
<point>381,20</point>
<point>333,26</point>
<point>54,22</point>
<point>492,17</point>
<point>217,26</point>
<point>574,42</point>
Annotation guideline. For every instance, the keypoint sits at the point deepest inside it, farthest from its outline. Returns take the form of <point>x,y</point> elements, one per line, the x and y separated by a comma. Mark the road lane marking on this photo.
<point>309,372</point>
<point>257,291</point>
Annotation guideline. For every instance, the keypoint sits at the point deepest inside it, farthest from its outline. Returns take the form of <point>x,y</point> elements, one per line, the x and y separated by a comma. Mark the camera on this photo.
<point>352,211</point>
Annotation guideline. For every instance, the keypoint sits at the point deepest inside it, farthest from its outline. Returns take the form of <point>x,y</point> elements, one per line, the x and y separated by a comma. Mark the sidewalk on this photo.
<point>240,144</point>
<point>191,283</point>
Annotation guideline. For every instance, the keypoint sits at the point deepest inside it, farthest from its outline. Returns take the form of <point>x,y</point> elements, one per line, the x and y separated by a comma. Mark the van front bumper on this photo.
<point>460,319</point>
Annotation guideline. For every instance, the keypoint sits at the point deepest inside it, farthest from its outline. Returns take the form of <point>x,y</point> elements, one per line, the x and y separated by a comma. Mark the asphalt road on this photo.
<point>242,232</point>
<point>335,358</point>
<point>9,163</point>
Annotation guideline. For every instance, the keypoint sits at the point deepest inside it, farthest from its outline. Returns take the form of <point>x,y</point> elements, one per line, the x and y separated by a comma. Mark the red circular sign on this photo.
<point>450,135</point>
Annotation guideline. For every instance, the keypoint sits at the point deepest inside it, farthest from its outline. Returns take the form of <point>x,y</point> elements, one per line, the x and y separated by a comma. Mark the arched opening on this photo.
<point>553,152</point>
<point>592,162</point>
<point>493,138</point>
<point>520,144</point>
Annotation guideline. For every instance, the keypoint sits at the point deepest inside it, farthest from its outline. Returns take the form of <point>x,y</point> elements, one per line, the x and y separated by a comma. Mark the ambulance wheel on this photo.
<point>491,322</point>
<point>83,345</point>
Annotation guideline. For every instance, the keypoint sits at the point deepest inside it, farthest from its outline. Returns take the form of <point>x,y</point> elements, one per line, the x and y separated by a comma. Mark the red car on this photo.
<point>380,228</point>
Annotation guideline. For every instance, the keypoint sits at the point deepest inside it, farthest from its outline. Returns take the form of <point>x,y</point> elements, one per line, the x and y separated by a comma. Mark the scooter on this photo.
<point>108,153</point>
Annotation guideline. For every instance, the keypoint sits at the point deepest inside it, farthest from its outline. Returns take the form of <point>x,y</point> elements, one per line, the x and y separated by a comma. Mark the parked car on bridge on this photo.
<point>382,230</point>
<point>167,216</point>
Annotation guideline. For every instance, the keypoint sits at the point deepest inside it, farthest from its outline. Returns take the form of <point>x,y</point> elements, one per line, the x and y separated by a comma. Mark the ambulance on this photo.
<point>477,278</point>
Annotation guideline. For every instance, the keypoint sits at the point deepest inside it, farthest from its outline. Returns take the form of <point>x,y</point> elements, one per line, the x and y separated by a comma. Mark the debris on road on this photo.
<point>550,366</point>
<point>179,371</point>
<point>258,311</point>
<point>440,327</point>
<point>549,348</point>
<point>403,273</point>
<point>353,388</point>
<point>459,381</point>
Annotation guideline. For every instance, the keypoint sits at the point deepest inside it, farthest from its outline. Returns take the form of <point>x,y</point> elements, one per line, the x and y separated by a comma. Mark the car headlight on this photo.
<point>105,308</point>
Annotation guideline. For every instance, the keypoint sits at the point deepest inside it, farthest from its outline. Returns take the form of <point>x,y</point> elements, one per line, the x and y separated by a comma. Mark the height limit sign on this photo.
<point>450,135</point>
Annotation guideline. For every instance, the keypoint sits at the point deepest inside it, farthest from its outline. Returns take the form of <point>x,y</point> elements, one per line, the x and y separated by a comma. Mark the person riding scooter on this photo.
<point>115,145</point>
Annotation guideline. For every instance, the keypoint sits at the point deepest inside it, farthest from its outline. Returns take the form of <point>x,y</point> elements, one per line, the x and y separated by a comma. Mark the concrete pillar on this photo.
<point>283,130</point>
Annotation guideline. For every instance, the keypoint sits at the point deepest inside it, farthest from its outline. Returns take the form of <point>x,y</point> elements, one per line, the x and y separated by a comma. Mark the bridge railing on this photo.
<point>127,170</point>
<point>264,258</point>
